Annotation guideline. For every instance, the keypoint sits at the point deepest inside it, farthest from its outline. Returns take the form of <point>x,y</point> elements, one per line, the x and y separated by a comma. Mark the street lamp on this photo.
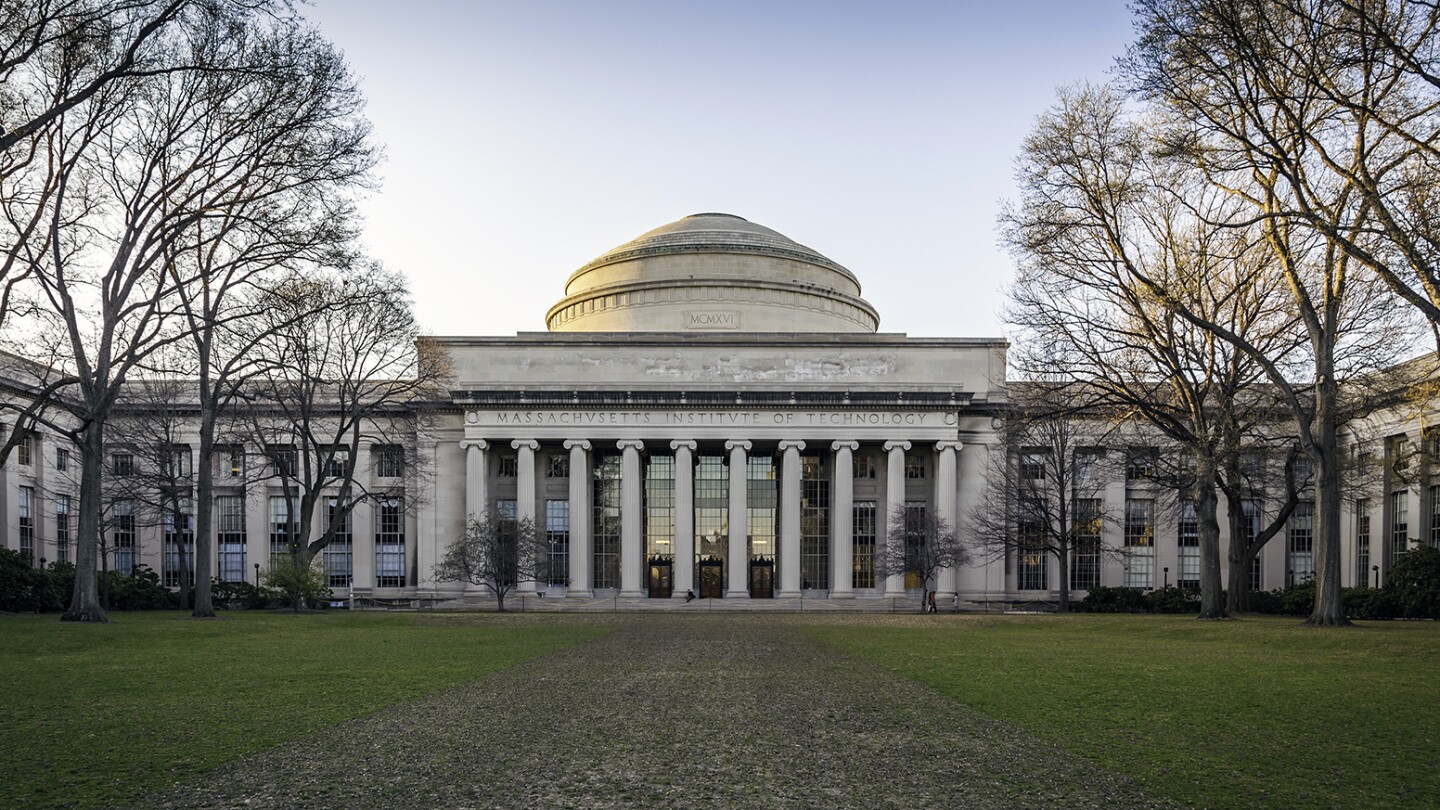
<point>1166,569</point>
<point>1376,569</point>
<point>257,575</point>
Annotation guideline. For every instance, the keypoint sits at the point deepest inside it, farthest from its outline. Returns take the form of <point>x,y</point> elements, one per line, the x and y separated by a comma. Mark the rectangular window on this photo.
<point>1300,548</point>
<point>557,540</point>
<point>24,451</point>
<point>558,467</point>
<point>283,528</point>
<point>27,523</point>
<point>863,465</point>
<point>761,498</point>
<point>1085,545</point>
<point>1141,462</point>
<point>1032,465</point>
<point>339,555</point>
<point>914,466</point>
<point>283,460</point>
<point>122,535</point>
<point>1139,543</point>
<point>62,528</point>
<point>390,543</point>
<point>235,461</point>
<point>1087,466</point>
<point>507,511</point>
<point>389,460</point>
<point>815,522</point>
<point>1362,542</point>
<point>509,466</point>
<point>122,464</point>
<point>606,485</point>
<point>1187,537</point>
<point>230,536</point>
<point>1399,523</point>
<point>1031,571</point>
<point>863,550</point>
<point>178,463</point>
<point>338,464</point>
<point>62,459</point>
<point>178,541</point>
<point>1434,537</point>
<point>712,517</point>
<point>659,507</point>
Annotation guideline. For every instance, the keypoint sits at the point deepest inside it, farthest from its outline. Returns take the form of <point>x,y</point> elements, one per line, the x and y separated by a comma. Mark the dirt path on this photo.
<point>672,711</point>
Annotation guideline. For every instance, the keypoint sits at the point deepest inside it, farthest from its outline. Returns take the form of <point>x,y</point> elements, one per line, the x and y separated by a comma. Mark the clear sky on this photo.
<point>525,137</point>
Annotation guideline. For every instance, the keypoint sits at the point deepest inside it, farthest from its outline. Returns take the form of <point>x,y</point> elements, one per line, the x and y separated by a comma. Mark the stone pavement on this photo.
<point>672,711</point>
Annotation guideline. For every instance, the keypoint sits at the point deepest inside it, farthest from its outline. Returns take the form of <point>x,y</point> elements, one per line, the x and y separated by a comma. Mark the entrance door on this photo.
<point>662,578</point>
<point>762,578</point>
<point>712,579</point>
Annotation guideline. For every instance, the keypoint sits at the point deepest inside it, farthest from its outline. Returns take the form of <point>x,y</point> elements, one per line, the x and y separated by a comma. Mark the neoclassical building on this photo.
<point>713,409</point>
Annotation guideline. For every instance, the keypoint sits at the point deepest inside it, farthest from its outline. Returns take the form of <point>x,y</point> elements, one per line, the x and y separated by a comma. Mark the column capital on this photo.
<point>685,444</point>
<point>583,444</point>
<point>630,444</point>
<point>527,444</point>
<point>852,446</point>
<point>743,444</point>
<point>957,446</point>
<point>890,447</point>
<point>790,444</point>
<point>479,444</point>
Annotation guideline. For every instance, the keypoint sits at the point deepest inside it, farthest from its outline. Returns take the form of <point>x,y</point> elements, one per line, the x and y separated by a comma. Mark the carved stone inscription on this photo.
<point>712,319</point>
<point>738,418</point>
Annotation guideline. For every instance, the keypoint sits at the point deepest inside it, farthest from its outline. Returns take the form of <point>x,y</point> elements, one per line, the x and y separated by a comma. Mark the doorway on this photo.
<point>662,577</point>
<point>762,578</point>
<point>712,578</point>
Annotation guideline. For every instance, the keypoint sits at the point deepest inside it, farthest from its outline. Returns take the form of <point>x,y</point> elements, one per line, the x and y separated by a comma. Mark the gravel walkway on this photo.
<point>683,711</point>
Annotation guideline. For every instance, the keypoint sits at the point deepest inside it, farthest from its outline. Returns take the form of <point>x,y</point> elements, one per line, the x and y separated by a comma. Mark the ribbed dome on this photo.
<point>712,271</point>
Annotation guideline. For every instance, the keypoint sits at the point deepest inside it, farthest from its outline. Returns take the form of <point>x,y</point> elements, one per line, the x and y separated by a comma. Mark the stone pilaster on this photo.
<point>579,519</point>
<point>842,522</point>
<point>738,555</point>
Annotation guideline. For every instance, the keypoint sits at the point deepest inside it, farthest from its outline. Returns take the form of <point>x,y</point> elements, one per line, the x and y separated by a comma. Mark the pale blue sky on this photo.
<point>525,137</point>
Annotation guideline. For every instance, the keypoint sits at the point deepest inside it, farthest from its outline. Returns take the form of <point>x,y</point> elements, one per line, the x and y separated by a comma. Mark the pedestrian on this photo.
<point>689,596</point>
<point>932,602</point>
<point>955,603</point>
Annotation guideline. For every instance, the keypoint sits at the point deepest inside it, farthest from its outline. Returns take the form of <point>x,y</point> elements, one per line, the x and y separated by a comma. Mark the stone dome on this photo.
<point>712,272</point>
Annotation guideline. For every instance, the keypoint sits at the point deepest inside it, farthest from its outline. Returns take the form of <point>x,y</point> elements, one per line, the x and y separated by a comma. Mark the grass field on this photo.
<point>1241,714</point>
<point>95,715</point>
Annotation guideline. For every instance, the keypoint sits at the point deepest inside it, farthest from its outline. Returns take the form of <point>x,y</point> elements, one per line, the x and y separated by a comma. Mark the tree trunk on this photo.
<point>1207,521</point>
<point>1329,608</point>
<point>85,599</point>
<point>204,512</point>
<point>1063,556</point>
<point>1237,598</point>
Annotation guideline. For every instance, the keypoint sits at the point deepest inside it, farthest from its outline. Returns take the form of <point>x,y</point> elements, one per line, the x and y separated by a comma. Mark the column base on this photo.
<point>737,594</point>
<point>842,594</point>
<point>631,594</point>
<point>788,594</point>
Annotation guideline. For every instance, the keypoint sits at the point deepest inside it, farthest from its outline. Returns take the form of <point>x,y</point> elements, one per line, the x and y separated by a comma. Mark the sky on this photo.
<point>523,138</point>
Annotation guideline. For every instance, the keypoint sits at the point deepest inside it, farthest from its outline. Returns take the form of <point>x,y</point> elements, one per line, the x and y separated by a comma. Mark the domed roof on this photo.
<point>712,271</point>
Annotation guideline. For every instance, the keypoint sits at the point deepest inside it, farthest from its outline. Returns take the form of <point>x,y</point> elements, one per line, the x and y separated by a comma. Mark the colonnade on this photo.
<point>477,500</point>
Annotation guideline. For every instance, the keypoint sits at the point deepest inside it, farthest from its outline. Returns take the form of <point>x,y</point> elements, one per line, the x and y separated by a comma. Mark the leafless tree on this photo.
<point>920,543</point>
<point>498,553</point>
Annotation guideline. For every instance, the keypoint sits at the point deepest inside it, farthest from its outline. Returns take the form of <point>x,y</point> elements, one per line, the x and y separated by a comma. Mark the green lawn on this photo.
<point>93,715</point>
<point>1253,713</point>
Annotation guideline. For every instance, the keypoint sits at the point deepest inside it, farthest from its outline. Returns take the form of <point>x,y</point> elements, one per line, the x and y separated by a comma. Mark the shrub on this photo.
<point>233,595</point>
<point>303,586</point>
<point>1367,603</point>
<point>1297,600</point>
<point>1112,600</point>
<point>1173,600</point>
<point>1414,584</point>
<point>27,589</point>
<point>141,590</point>
<point>1265,602</point>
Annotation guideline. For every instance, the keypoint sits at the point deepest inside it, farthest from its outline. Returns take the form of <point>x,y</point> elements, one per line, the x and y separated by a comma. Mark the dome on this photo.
<point>712,272</point>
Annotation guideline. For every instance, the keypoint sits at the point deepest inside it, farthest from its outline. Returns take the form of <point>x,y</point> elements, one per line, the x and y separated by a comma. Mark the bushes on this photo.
<point>27,589</point>
<point>1112,600</point>
<point>1173,600</point>
<point>299,586</point>
<point>139,591</point>
<point>1414,584</point>
<point>232,595</point>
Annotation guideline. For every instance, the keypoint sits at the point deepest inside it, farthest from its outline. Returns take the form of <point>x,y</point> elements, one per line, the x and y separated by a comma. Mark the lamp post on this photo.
<point>257,575</point>
<point>1166,569</point>
<point>1376,569</point>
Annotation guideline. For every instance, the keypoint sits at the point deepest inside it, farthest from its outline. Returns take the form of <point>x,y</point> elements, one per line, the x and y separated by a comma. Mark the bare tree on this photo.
<point>920,543</point>
<point>497,552</point>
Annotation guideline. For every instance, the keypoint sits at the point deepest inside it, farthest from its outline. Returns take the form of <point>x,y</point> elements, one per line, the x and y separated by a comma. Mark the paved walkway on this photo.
<point>672,711</point>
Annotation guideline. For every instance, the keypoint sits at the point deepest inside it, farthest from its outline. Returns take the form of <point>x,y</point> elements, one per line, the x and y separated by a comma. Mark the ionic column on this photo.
<point>579,518</point>
<point>789,557</point>
<point>945,495</point>
<point>738,557</point>
<point>631,518</point>
<point>476,489</point>
<point>525,496</point>
<point>842,520</point>
<point>894,508</point>
<point>684,517</point>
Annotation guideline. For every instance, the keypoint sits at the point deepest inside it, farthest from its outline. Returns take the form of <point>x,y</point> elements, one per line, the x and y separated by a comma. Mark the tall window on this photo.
<point>62,528</point>
<point>1362,542</point>
<point>1399,523</point>
<point>1187,537</point>
<point>26,508</point>
<point>1032,465</point>
<point>390,543</point>
<point>230,536</point>
<point>914,466</point>
<point>282,528</point>
<point>1139,543</point>
<point>508,511</point>
<point>122,535</point>
<point>62,459</point>
<point>122,464</point>
<point>178,462</point>
<point>389,460</point>
<point>1300,548</point>
<point>815,522</point>
<point>761,497</point>
<point>712,508</point>
<point>659,506</point>
<point>1251,514</point>
<point>179,541</point>
<point>1434,517</point>
<point>557,541</point>
<point>605,478</point>
<point>1085,544</point>
<point>1031,570</point>
<point>339,556</point>
<point>863,550</point>
<point>24,451</point>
